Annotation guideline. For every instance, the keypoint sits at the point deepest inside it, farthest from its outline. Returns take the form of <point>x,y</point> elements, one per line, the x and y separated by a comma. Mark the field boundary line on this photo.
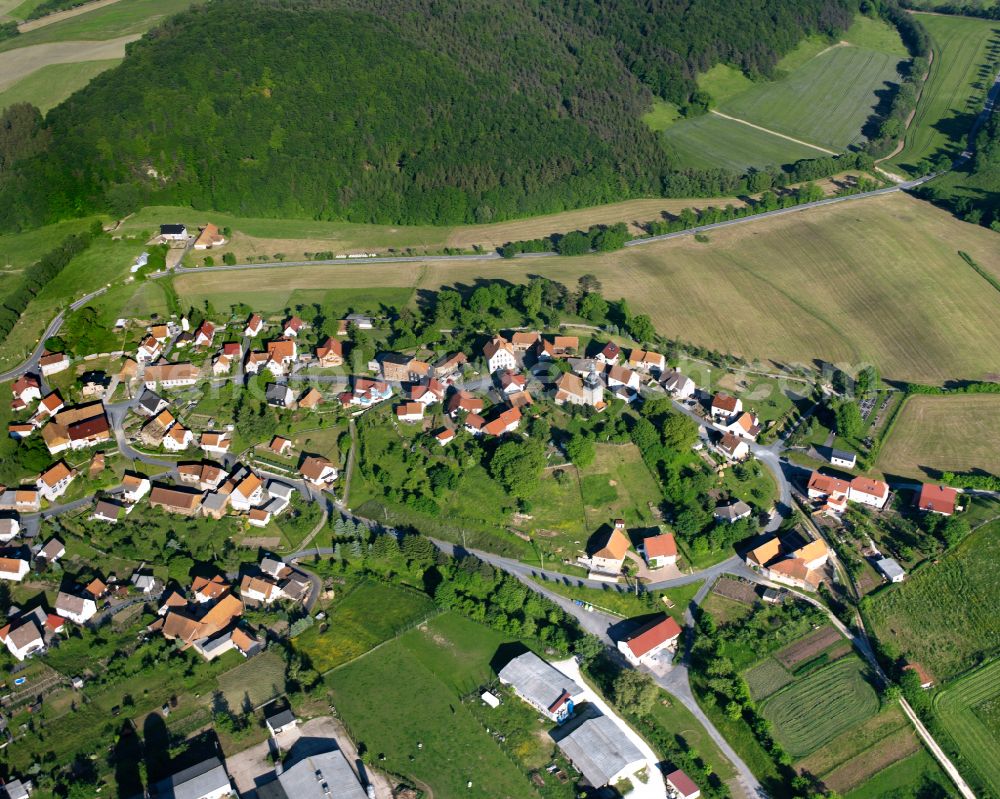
<point>400,632</point>
<point>773,132</point>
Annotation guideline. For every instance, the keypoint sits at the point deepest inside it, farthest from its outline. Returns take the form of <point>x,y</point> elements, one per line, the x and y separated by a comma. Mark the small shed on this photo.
<point>281,721</point>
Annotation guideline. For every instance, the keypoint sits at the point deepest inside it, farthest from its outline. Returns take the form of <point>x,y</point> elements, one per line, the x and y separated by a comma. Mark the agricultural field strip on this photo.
<point>955,707</point>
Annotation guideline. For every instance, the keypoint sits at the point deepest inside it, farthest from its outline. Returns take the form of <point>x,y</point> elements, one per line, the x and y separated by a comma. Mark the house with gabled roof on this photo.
<point>732,512</point>
<point>725,406</point>
<point>170,375</point>
<point>410,412</point>
<point>26,389</point>
<point>79,609</point>
<point>178,438</point>
<point>53,363</point>
<point>678,386</point>
<point>542,686</point>
<point>796,559</point>
<point>660,550</point>
<point>53,482</point>
<point>745,425</point>
<point>253,326</point>
<point>14,565</point>
<point>293,326</point>
<point>937,499</point>
<point>608,556</point>
<point>646,361</point>
<point>610,354</point>
<point>209,237</point>
<point>310,400</point>
<point>24,499</point>
<point>23,637</point>
<point>209,589</point>
<point>523,340</point>
<point>499,354</point>
<point>204,335</point>
<point>248,492</point>
<point>318,470</point>
<point>869,491</point>
<point>215,443</point>
<point>108,510</point>
<point>427,392</point>
<point>571,389</point>
<point>369,392</point>
<point>652,645</point>
<point>464,401</point>
<point>446,367</point>
<point>182,501</point>
<point>330,353</point>
<point>506,422</point>
<point>134,486</point>
<point>733,447</point>
<point>682,785</point>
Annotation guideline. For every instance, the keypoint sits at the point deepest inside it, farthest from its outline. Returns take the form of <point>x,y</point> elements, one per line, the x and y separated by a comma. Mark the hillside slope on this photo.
<point>392,111</point>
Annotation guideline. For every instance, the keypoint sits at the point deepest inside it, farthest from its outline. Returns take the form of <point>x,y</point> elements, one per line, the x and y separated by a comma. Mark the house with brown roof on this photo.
<point>134,486</point>
<point>652,645</point>
<point>178,438</point>
<point>464,401</point>
<point>149,350</point>
<point>733,447</point>
<point>13,565</point>
<point>608,556</point>
<point>24,499</point>
<point>410,412</point>
<point>53,363</point>
<point>448,366</point>
<point>311,400</point>
<point>20,430</point>
<point>215,443</point>
<point>293,326</point>
<point>512,382</point>
<point>611,353</point>
<point>209,237</point>
<point>678,386</point>
<point>170,375</point>
<point>795,560</point>
<point>204,475</point>
<point>182,501</point>
<point>682,785</point>
<point>565,346</point>
<point>622,376</point>
<point>647,361</point>
<point>427,392</point>
<point>280,445</point>
<point>53,482</point>
<point>725,406</point>
<point>832,490</point>
<point>937,499</point>
<point>26,389</point>
<point>23,637</point>
<point>318,470</point>
<point>499,354</point>
<point>869,491</point>
<point>248,492</point>
<point>76,608</point>
<point>369,392</point>
<point>660,550</point>
<point>204,335</point>
<point>208,589</point>
<point>745,425</point>
<point>506,422</point>
<point>522,340</point>
<point>253,326</point>
<point>330,353</point>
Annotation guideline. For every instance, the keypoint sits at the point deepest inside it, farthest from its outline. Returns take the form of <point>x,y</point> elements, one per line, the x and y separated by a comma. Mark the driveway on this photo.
<point>654,787</point>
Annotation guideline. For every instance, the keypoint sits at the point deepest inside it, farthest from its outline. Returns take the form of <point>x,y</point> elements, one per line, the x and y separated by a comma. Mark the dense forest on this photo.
<point>393,111</point>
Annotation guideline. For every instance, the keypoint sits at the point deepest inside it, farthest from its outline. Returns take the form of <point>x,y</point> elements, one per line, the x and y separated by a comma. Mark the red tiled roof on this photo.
<point>654,635</point>
<point>660,546</point>
<point>939,499</point>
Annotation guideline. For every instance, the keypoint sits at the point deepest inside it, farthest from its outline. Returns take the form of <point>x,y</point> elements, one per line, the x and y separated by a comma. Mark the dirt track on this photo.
<point>59,16</point>
<point>18,63</point>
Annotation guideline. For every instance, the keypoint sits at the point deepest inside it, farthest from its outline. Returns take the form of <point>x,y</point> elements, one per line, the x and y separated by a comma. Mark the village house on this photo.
<point>20,430</point>
<point>149,350</point>
<point>507,422</point>
<point>610,354</point>
<point>253,326</point>
<point>732,512</point>
<point>869,491</point>
<point>16,789</point>
<point>660,550</point>
<point>832,490</point>
<point>369,392</point>
<point>559,347</point>
<point>330,353</point>
<point>542,686</point>
<point>281,355</point>
<point>474,424</point>
<point>182,501</point>
<point>318,470</point>
<point>249,492</point>
<point>522,341</point>
<point>427,392</point>
<point>49,406</point>
<point>208,589</point>
<point>621,377</point>
<point>204,335</point>
<point>410,412</point>
<point>215,443</point>
<point>94,384</point>
<point>222,365</point>
<point>292,327</point>
<point>444,437</point>
<point>14,565</point>
<point>160,332</point>
<point>52,551</point>
<point>609,556</point>
<point>23,499</point>
<point>733,447</point>
<point>449,365</point>
<point>725,406</point>
<point>53,363</point>
<point>259,517</point>
<point>499,354</point>
<point>937,499</point>
<point>745,425</point>
<point>652,645</point>
<point>173,232</point>
<point>682,785</point>
<point>107,510</point>
<point>464,401</point>
<point>9,528</point>
<point>79,609</point>
<point>26,389</point>
<point>280,445</point>
<point>310,400</point>
<point>170,375</point>
<point>573,390</point>
<point>646,361</point>
<point>511,382</point>
<point>279,396</point>
<point>259,590</point>
<point>53,482</point>
<point>360,321</point>
<point>209,237</point>
<point>794,560</point>
<point>204,475</point>
<point>150,403</point>
<point>178,438</point>
<point>23,637</point>
<point>255,361</point>
<point>842,458</point>
<point>678,386</point>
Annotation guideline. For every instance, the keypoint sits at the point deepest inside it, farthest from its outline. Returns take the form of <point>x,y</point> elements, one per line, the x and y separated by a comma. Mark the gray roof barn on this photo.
<point>537,681</point>
<point>600,750</point>
<point>204,779</point>
<point>891,569</point>
<point>320,777</point>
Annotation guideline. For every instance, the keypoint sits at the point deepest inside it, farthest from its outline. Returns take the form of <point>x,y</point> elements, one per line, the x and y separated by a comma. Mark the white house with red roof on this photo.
<point>725,406</point>
<point>745,425</point>
<point>410,412</point>
<point>660,550</point>
<point>869,491</point>
<point>937,499</point>
<point>26,389</point>
<point>511,382</point>
<point>253,326</point>
<point>499,354</point>
<point>611,353</point>
<point>652,645</point>
<point>832,489</point>
<point>204,334</point>
<point>293,326</point>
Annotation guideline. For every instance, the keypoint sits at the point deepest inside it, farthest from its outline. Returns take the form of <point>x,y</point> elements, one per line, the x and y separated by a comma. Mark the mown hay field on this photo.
<point>819,707</point>
<point>946,616</point>
<point>874,280</point>
<point>953,93</point>
<point>944,434</point>
<point>766,678</point>
<point>967,710</point>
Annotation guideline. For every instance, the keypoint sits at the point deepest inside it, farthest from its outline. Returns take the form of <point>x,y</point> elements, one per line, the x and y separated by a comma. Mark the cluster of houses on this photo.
<point>794,559</point>
<point>610,547</point>
<point>62,428</point>
<point>593,742</point>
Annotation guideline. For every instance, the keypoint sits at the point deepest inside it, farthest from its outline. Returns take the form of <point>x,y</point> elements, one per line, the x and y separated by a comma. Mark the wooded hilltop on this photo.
<point>393,111</point>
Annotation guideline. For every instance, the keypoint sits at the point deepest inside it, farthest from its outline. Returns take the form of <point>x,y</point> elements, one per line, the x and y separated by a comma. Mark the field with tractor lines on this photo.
<point>817,708</point>
<point>969,710</point>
